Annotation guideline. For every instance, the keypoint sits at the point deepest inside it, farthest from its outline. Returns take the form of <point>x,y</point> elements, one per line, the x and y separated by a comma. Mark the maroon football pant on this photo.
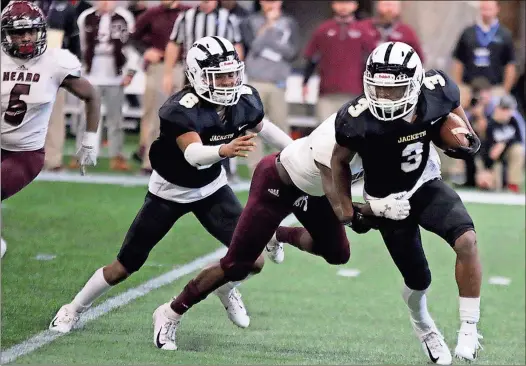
<point>269,202</point>
<point>19,168</point>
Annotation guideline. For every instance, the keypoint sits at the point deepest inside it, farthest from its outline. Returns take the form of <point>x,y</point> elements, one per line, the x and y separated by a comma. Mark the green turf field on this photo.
<point>301,311</point>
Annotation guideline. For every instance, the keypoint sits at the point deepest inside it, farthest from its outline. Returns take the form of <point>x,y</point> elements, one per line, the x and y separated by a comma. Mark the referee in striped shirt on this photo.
<point>208,19</point>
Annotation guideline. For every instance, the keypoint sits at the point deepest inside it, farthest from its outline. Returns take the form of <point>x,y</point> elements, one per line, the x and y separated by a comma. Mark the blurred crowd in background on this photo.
<point>304,67</point>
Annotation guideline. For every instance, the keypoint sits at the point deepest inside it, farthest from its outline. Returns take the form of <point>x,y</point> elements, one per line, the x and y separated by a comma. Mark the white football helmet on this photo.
<point>215,71</point>
<point>392,80</point>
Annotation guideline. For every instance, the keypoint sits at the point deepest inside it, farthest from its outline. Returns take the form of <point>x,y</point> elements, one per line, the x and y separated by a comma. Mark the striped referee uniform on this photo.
<point>194,24</point>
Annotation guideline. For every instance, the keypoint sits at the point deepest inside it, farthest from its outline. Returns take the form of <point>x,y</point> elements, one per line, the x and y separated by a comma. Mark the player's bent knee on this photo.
<point>236,271</point>
<point>115,273</point>
<point>466,244</point>
<point>418,281</point>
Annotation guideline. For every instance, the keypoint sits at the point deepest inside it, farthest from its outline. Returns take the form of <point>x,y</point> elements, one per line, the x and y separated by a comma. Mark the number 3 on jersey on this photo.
<point>356,110</point>
<point>412,156</point>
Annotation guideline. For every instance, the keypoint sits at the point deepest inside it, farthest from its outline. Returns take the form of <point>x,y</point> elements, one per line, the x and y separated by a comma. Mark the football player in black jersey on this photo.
<point>200,125</point>
<point>391,127</point>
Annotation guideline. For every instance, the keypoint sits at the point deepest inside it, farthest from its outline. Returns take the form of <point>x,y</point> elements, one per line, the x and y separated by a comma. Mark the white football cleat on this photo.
<point>231,299</point>
<point>275,250</point>
<point>165,328</point>
<point>436,348</point>
<point>468,343</point>
<point>65,320</point>
<point>433,343</point>
<point>3,247</point>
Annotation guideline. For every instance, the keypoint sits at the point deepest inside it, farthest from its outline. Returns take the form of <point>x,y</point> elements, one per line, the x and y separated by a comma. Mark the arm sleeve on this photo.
<point>273,135</point>
<point>310,66</point>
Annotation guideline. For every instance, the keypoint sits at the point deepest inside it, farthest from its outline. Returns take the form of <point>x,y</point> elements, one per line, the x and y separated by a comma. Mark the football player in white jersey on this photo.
<point>298,181</point>
<point>31,77</point>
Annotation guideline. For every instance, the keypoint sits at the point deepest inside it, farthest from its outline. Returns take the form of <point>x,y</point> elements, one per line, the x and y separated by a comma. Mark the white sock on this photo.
<point>469,309</point>
<point>417,303</point>
<point>94,288</point>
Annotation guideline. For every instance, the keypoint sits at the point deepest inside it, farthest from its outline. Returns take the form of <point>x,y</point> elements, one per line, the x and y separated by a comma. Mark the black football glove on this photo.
<point>361,224</point>
<point>465,152</point>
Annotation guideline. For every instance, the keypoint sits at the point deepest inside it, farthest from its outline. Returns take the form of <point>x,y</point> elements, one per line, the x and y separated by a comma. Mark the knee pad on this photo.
<point>418,280</point>
<point>235,271</point>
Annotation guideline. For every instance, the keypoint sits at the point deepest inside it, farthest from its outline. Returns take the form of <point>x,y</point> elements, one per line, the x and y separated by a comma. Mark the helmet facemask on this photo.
<point>219,85</point>
<point>390,96</point>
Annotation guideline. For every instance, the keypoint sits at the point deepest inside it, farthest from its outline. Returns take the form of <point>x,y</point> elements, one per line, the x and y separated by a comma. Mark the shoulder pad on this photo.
<point>437,81</point>
<point>66,59</point>
<point>251,97</point>
<point>181,109</point>
<point>350,120</point>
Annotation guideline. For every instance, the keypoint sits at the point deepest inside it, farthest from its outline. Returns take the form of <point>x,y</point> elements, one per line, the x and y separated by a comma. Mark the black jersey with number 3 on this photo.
<point>395,153</point>
<point>185,112</point>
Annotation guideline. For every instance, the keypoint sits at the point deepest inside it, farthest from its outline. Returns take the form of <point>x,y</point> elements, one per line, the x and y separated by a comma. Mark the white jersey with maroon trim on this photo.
<point>300,156</point>
<point>29,89</point>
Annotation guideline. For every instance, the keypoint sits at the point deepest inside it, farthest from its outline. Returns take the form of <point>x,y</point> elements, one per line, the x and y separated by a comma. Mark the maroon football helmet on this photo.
<point>19,19</point>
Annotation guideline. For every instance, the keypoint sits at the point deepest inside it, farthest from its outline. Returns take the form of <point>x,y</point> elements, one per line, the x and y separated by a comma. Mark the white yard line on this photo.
<point>43,338</point>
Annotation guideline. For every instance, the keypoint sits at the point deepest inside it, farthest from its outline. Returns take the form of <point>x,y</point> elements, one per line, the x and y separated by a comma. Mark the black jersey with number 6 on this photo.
<point>395,153</point>
<point>185,112</point>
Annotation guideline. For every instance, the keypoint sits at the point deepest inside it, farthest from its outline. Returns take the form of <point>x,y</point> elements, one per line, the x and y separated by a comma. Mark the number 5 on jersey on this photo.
<point>17,108</point>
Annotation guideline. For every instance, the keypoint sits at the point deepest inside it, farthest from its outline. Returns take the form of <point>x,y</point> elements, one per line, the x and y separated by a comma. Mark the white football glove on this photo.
<point>393,207</point>
<point>87,155</point>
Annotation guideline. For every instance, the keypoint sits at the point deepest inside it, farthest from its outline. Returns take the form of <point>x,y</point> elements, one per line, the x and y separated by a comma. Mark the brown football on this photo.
<point>453,133</point>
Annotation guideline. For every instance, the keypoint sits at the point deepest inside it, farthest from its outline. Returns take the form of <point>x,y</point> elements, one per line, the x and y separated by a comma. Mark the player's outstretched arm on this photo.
<point>272,134</point>
<point>200,156</point>
<point>82,89</point>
